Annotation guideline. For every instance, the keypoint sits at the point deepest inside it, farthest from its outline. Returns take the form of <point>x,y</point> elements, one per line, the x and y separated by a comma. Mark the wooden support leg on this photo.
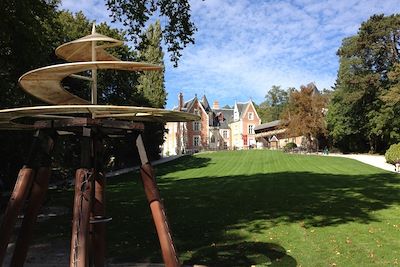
<point>17,199</point>
<point>37,196</point>
<point>82,204</point>
<point>80,225</point>
<point>160,219</point>
<point>98,221</point>
<point>99,229</point>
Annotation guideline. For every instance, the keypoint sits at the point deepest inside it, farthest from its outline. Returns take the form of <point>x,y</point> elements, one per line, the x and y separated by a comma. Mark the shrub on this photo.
<point>289,146</point>
<point>392,155</point>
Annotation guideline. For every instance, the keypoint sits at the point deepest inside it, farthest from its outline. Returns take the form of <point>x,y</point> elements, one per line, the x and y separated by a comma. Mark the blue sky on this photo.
<point>244,47</point>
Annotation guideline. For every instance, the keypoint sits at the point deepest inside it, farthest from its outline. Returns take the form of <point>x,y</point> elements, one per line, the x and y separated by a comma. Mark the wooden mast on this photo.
<point>94,70</point>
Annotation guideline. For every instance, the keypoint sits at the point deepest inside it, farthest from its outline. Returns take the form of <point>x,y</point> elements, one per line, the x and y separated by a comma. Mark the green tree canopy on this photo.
<point>151,84</point>
<point>362,114</point>
<point>275,101</point>
<point>178,30</point>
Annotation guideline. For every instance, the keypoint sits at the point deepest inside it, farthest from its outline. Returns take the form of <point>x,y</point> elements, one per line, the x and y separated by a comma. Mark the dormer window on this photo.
<point>250,116</point>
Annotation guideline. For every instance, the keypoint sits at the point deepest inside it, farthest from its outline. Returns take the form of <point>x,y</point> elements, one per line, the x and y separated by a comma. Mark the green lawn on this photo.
<point>262,208</point>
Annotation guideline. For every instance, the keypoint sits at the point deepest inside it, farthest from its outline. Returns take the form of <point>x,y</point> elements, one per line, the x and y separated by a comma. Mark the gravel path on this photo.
<point>373,160</point>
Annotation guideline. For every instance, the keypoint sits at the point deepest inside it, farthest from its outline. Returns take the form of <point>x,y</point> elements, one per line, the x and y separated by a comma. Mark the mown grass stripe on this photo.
<point>242,208</point>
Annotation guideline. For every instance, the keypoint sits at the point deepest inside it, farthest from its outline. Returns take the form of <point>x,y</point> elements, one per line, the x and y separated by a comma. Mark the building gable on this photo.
<point>251,108</point>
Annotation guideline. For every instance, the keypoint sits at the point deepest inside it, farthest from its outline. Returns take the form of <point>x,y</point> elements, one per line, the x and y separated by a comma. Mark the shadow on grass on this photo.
<point>209,214</point>
<point>182,163</point>
<point>256,253</point>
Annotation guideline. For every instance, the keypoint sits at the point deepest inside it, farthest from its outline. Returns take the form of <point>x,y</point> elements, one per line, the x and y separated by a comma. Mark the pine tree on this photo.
<point>151,86</point>
<point>151,83</point>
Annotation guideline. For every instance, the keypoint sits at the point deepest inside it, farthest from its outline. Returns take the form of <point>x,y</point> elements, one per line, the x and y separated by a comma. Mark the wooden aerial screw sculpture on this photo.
<point>92,123</point>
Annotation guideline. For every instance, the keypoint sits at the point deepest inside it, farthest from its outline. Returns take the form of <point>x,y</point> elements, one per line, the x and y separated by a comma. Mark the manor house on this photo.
<point>218,128</point>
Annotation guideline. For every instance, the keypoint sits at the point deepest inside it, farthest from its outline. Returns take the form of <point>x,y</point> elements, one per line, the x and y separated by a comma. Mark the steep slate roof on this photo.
<point>241,108</point>
<point>228,113</point>
<point>188,104</point>
<point>228,116</point>
<point>205,103</point>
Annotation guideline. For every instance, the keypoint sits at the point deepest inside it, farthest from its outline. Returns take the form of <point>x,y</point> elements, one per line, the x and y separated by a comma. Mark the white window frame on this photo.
<point>199,140</point>
<point>225,133</point>
<point>199,126</point>
<point>250,126</point>
<point>250,116</point>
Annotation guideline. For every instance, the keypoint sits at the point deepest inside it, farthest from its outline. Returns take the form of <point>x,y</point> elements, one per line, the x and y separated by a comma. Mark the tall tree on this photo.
<point>26,40</point>
<point>151,84</point>
<point>360,116</point>
<point>304,114</point>
<point>178,30</point>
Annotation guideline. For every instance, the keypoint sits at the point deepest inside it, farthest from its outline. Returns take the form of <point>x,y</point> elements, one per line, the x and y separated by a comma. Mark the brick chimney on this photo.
<point>180,101</point>
<point>216,105</point>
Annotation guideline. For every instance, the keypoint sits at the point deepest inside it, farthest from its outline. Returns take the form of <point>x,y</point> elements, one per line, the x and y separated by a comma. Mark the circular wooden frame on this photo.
<point>12,118</point>
<point>45,83</point>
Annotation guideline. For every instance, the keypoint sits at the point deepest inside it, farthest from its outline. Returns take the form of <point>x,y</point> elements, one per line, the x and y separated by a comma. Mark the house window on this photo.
<point>251,129</point>
<point>196,126</point>
<point>225,134</point>
<point>250,116</point>
<point>225,145</point>
<point>245,140</point>
<point>196,140</point>
<point>196,111</point>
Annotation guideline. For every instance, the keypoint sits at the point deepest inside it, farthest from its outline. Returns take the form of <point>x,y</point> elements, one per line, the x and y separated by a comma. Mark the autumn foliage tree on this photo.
<point>304,114</point>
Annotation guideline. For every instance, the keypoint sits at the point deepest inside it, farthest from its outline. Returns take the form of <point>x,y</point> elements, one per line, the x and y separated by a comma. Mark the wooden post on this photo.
<point>82,204</point>
<point>37,196</point>
<point>98,225</point>
<point>160,219</point>
<point>17,200</point>
<point>18,197</point>
<point>94,70</point>
<point>80,225</point>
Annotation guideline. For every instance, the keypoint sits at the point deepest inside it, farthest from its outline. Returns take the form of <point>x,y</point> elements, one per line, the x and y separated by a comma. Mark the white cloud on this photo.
<point>244,47</point>
<point>93,9</point>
